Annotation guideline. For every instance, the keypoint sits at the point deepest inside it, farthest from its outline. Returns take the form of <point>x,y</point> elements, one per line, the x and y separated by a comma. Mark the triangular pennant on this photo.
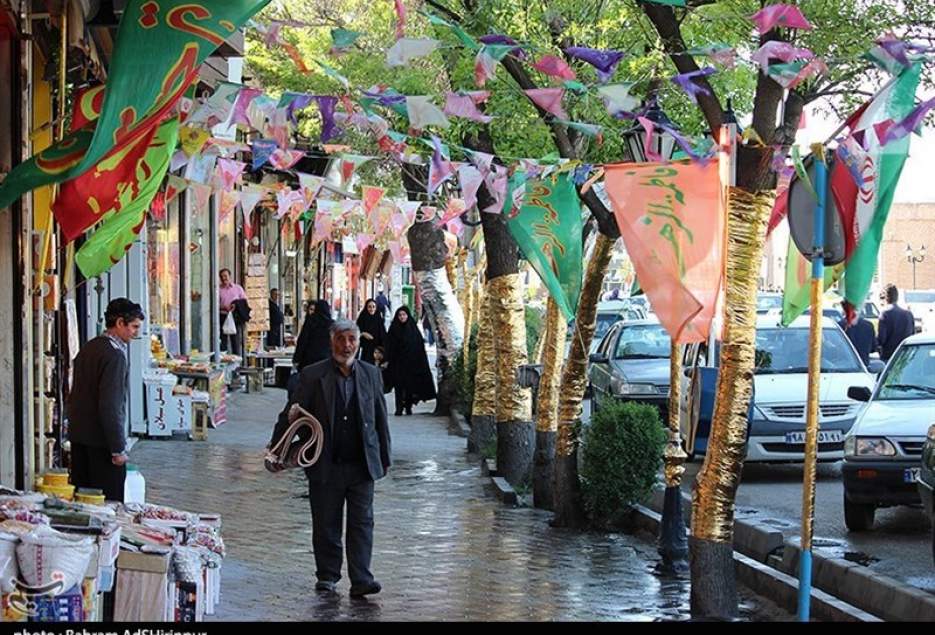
<point>604,61</point>
<point>310,185</point>
<point>440,169</point>
<point>290,202</point>
<point>174,185</point>
<point>423,113</point>
<point>466,106</point>
<point>554,67</point>
<point>228,172</point>
<point>371,196</point>
<point>549,100</point>
<point>470,179</point>
<point>201,194</point>
<point>200,168</point>
<point>262,149</point>
<point>228,201</point>
<point>407,49</point>
<point>192,139</point>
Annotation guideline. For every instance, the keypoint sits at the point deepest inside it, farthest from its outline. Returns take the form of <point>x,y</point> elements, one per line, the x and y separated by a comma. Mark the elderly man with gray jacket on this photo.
<point>97,403</point>
<point>345,395</point>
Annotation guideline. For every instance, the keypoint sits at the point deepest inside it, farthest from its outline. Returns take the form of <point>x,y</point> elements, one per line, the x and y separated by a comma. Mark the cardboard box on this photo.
<point>140,596</point>
<point>110,545</point>
<point>146,562</point>
<point>66,607</point>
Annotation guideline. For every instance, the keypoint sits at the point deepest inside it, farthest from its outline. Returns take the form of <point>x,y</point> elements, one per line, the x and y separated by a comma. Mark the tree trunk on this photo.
<point>547,409</point>
<point>714,593</point>
<point>484,411</point>
<point>568,509</point>
<point>429,258</point>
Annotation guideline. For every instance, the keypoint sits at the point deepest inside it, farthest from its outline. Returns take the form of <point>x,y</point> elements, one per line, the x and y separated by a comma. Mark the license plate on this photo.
<point>911,474</point>
<point>824,436</point>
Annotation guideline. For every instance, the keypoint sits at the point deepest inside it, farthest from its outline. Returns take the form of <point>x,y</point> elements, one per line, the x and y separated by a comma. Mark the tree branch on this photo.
<point>666,25</point>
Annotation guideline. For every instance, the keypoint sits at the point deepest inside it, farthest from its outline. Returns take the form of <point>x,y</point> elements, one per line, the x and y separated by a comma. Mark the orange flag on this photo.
<point>671,219</point>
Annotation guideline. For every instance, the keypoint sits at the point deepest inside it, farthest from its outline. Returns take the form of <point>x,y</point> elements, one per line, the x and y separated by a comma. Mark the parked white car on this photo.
<point>922,304</point>
<point>882,452</point>
<point>778,415</point>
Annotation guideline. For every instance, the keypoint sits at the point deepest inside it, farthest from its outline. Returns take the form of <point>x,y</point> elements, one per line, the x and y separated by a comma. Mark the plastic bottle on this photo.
<point>134,488</point>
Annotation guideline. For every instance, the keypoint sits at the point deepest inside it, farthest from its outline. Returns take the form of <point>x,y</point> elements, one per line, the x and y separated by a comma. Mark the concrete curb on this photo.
<point>457,424</point>
<point>768,582</point>
<point>878,595</point>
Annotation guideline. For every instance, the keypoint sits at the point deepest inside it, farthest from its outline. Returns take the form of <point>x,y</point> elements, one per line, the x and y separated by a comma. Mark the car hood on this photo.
<point>793,388</point>
<point>643,371</point>
<point>904,418</point>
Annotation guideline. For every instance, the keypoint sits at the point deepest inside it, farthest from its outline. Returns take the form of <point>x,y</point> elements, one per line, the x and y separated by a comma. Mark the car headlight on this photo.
<point>621,388</point>
<point>850,445</point>
<point>872,446</point>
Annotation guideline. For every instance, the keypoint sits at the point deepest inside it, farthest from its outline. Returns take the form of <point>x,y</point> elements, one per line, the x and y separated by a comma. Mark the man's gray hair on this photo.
<point>342,325</point>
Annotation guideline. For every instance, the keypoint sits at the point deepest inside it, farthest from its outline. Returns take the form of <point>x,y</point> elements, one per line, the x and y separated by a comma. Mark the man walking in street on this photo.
<point>346,396</point>
<point>276,319</point>
<point>229,292</point>
<point>896,323</point>
<point>97,403</point>
<point>859,332</point>
<point>383,304</point>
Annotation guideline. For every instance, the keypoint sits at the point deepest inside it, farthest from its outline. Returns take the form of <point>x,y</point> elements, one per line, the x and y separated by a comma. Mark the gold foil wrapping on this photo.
<point>552,358</point>
<point>673,454</point>
<point>509,319</point>
<point>485,378</point>
<point>575,373</point>
<point>716,484</point>
<point>470,296</point>
<point>811,425</point>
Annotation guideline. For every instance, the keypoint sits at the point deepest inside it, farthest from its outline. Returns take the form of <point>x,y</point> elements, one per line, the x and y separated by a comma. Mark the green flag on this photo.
<point>53,165</point>
<point>796,294</point>
<point>159,48</point>
<point>548,230</point>
<point>111,240</point>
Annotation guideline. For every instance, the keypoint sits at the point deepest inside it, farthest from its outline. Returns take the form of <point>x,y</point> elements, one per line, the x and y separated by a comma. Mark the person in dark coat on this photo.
<point>346,396</point>
<point>276,319</point>
<point>860,333</point>
<point>372,331</point>
<point>97,403</point>
<point>896,324</point>
<point>408,363</point>
<point>314,343</point>
<point>383,304</point>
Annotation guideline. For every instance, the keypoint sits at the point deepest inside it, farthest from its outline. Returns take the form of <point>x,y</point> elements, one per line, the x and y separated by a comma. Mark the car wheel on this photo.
<point>858,516</point>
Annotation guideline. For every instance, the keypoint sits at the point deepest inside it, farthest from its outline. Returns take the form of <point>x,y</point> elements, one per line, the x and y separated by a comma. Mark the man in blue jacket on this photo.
<point>896,324</point>
<point>860,333</point>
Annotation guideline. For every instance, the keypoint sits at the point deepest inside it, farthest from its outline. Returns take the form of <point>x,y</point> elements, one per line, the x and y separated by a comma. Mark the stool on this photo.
<point>254,377</point>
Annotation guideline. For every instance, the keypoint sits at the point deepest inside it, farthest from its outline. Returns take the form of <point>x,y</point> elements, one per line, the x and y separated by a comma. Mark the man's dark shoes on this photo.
<point>326,586</point>
<point>360,590</point>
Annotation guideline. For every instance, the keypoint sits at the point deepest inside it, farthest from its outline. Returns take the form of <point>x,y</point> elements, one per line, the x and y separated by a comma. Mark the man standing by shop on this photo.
<point>383,305</point>
<point>276,319</point>
<point>229,292</point>
<point>896,323</point>
<point>97,403</point>
<point>346,396</point>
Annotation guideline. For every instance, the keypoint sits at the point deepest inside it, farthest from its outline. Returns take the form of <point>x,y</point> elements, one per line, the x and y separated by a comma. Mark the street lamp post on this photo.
<point>673,539</point>
<point>914,258</point>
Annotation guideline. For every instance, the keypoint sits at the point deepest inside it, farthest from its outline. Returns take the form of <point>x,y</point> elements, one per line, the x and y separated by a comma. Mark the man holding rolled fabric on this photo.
<point>346,396</point>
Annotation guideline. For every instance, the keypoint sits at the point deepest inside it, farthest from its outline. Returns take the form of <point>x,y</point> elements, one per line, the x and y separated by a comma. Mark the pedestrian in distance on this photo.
<point>346,396</point>
<point>383,304</point>
<point>896,323</point>
<point>228,293</point>
<point>276,321</point>
<point>372,330</point>
<point>314,343</point>
<point>408,363</point>
<point>97,403</point>
<point>860,332</point>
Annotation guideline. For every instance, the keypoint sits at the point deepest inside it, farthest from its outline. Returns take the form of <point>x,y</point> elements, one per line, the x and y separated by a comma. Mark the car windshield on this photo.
<point>766,302</point>
<point>911,375</point>
<point>923,297</point>
<point>870,310</point>
<point>604,322</point>
<point>643,341</point>
<point>782,351</point>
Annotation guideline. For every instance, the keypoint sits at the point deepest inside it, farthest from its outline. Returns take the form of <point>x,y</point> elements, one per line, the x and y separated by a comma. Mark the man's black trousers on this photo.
<point>350,483</point>
<point>92,467</point>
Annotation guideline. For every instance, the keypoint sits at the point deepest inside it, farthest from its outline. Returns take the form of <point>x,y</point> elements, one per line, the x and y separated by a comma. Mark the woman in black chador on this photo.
<point>372,331</point>
<point>408,364</point>
<point>314,342</point>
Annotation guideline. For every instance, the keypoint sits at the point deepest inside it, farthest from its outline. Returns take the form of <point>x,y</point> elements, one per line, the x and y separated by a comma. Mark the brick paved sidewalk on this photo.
<point>444,548</point>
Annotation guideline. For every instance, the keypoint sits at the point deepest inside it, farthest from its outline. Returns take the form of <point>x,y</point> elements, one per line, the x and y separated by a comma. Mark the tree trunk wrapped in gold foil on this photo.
<point>485,378</point>
<point>716,484</point>
<point>508,313</point>
<point>552,358</point>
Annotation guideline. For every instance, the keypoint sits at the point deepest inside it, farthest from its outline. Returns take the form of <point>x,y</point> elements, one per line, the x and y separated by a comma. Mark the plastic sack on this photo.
<point>9,568</point>
<point>230,327</point>
<point>46,556</point>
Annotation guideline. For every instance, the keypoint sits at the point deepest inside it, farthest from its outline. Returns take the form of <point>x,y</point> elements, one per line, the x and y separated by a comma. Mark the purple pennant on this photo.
<point>896,48</point>
<point>900,129</point>
<point>605,61</point>
<point>686,83</point>
<point>298,102</point>
<point>496,38</point>
<point>329,129</point>
<point>262,150</point>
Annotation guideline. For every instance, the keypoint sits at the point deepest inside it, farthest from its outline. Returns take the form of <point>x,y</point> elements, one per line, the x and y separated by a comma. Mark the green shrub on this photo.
<point>622,454</point>
<point>535,324</point>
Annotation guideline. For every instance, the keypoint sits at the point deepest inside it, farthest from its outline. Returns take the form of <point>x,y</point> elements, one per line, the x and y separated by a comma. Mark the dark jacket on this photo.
<point>276,319</point>
<point>241,310</point>
<point>896,324</point>
<point>315,392</point>
<point>862,337</point>
<point>98,397</point>
<point>314,343</point>
<point>373,325</point>
<point>408,362</point>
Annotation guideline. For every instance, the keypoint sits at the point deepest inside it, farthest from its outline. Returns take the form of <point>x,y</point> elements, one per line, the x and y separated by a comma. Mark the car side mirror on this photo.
<point>688,372</point>
<point>859,393</point>
<point>598,358</point>
<point>876,366</point>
